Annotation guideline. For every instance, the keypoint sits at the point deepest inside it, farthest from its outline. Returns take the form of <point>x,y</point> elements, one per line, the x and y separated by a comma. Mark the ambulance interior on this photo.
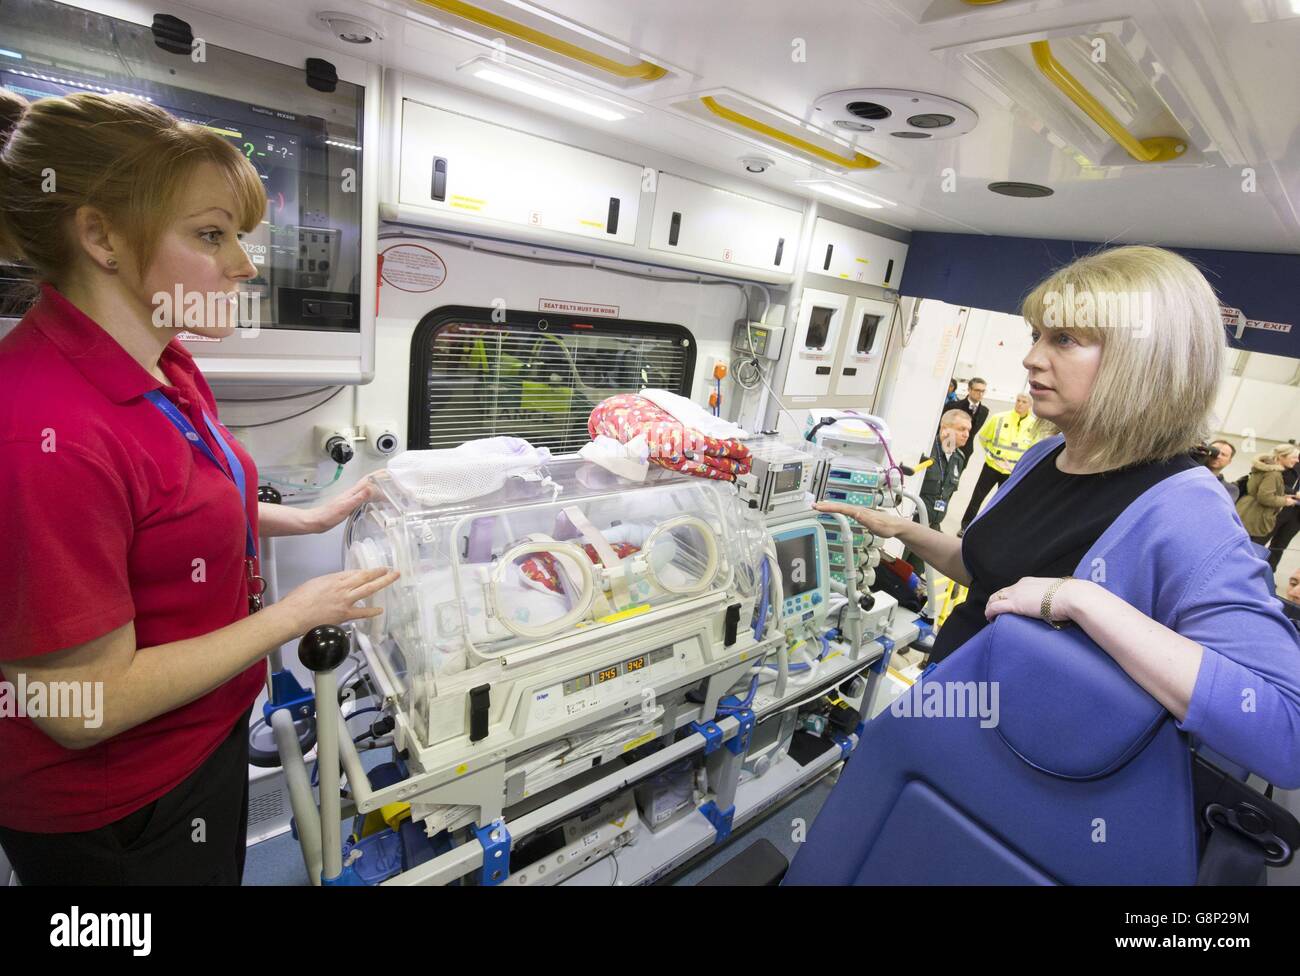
<point>486,219</point>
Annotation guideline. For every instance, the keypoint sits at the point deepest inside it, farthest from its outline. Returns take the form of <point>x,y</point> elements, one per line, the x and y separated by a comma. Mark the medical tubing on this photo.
<point>764,576</point>
<point>749,699</point>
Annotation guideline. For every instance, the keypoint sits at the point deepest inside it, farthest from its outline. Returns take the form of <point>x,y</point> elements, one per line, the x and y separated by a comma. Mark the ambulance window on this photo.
<point>535,376</point>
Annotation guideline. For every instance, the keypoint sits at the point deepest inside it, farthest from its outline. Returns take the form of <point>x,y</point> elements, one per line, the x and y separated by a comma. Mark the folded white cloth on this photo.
<point>692,415</point>
<point>630,460</point>
<point>473,469</point>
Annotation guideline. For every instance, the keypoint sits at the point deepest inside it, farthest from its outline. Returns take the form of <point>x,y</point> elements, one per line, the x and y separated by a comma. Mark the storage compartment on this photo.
<point>457,164</point>
<point>865,340</point>
<point>703,221</point>
<point>855,255</point>
<point>816,341</point>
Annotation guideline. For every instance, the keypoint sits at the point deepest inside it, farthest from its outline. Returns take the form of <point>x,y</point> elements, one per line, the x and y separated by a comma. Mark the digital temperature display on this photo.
<point>631,666</point>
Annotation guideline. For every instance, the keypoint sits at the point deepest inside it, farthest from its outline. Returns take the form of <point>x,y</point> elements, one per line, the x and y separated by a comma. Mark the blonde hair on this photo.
<point>118,154</point>
<point>1162,355</point>
<point>1284,451</point>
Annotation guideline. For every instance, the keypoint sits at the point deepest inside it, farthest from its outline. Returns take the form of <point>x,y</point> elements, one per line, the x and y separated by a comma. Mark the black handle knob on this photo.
<point>268,494</point>
<point>323,648</point>
<point>340,450</point>
<point>866,601</point>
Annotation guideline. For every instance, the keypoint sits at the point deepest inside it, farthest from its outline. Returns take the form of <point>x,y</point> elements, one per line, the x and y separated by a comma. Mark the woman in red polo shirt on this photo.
<point>129,652</point>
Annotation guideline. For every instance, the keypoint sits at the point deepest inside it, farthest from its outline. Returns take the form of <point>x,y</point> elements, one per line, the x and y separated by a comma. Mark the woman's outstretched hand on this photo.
<point>880,524</point>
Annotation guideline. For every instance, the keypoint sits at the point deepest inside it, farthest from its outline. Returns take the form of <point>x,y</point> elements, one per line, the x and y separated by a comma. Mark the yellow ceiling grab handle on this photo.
<point>1157,149</point>
<point>642,70</point>
<point>856,161</point>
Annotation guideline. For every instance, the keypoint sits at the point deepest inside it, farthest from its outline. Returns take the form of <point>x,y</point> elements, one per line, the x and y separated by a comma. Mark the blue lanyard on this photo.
<point>236,473</point>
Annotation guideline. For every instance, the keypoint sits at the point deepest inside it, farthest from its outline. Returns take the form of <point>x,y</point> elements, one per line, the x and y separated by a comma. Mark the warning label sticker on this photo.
<point>412,267</point>
<point>577,308</point>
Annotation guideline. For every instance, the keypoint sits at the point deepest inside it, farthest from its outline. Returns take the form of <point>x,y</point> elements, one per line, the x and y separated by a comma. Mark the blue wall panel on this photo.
<point>997,272</point>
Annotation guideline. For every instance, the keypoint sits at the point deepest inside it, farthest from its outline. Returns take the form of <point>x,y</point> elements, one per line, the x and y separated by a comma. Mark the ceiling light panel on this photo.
<point>524,31</point>
<point>498,73</point>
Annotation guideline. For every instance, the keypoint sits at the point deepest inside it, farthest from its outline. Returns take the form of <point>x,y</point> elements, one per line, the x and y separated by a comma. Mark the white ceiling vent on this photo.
<point>894,112</point>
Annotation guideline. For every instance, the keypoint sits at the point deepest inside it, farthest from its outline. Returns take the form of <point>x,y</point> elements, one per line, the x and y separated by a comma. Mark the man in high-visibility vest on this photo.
<point>1005,436</point>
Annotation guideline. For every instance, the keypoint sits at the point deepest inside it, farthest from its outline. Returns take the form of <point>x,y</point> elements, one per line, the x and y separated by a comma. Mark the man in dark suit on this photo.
<point>979,413</point>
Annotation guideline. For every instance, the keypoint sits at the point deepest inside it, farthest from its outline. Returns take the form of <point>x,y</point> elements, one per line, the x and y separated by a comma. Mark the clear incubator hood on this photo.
<point>535,573</point>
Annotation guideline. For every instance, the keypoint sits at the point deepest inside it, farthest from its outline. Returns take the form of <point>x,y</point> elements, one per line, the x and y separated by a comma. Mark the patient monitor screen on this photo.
<point>798,558</point>
<point>303,143</point>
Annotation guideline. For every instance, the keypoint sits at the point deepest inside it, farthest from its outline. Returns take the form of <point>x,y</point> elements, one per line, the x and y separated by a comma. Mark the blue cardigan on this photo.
<point>1180,554</point>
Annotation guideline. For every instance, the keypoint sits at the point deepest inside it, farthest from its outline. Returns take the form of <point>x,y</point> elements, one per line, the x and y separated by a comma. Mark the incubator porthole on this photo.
<point>682,555</point>
<point>541,588</point>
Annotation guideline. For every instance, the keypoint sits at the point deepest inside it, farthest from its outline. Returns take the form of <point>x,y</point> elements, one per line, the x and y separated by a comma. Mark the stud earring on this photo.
<point>112,263</point>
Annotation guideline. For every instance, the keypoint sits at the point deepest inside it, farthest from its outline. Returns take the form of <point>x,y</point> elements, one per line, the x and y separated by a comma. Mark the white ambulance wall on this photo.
<point>474,278</point>
<point>916,381</point>
<point>993,347</point>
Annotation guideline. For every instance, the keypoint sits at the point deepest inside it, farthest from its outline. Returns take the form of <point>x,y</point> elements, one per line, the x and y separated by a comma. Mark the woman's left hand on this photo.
<point>324,517</point>
<point>1025,597</point>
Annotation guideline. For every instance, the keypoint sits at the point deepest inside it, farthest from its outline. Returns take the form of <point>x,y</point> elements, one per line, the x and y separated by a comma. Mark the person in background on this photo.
<point>1005,436</point>
<point>1218,461</point>
<point>1291,598</point>
<point>1266,494</point>
<point>951,398</point>
<point>1288,519</point>
<point>942,476</point>
<point>978,411</point>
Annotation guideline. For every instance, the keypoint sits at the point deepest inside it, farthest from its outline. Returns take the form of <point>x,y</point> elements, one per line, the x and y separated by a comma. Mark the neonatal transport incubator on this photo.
<point>566,648</point>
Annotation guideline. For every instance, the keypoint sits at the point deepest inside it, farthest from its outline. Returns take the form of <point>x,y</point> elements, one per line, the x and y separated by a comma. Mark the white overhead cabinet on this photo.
<point>697,220</point>
<point>461,165</point>
<point>855,255</point>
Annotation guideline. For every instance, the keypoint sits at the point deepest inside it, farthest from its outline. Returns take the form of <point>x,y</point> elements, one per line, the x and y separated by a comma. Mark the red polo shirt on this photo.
<point>108,516</point>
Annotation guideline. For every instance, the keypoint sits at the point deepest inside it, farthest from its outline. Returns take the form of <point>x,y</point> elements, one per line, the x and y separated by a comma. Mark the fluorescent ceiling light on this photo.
<point>844,193</point>
<point>6,53</point>
<point>556,96</point>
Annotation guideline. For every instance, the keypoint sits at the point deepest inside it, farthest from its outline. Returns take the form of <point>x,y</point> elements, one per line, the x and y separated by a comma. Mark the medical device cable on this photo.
<point>275,399</point>
<point>761,623</point>
<point>280,420</point>
<point>316,487</point>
